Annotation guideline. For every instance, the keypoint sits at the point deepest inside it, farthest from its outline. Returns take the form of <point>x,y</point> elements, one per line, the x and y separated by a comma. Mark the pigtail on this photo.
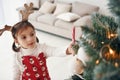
<point>15,48</point>
<point>6,28</point>
<point>37,39</point>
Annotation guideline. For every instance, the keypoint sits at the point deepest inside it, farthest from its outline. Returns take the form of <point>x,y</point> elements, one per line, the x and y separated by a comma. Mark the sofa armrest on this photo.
<point>22,8</point>
<point>83,21</point>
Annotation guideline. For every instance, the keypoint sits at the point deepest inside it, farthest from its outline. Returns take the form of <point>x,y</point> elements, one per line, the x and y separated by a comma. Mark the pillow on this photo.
<point>62,8</point>
<point>36,3</point>
<point>68,16</point>
<point>47,7</point>
<point>83,8</point>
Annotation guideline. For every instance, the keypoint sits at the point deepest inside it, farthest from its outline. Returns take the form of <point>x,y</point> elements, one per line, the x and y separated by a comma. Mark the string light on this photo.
<point>111,51</point>
<point>102,42</point>
<point>111,35</point>
<point>116,64</point>
<point>97,62</point>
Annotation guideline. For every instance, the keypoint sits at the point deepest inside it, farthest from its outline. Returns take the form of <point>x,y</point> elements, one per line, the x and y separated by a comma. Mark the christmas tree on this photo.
<point>102,44</point>
<point>114,6</point>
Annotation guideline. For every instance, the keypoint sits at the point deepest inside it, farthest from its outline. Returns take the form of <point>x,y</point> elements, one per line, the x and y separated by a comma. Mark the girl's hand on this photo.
<point>70,49</point>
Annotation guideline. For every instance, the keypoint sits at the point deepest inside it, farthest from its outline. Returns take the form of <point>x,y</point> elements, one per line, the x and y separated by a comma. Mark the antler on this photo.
<point>6,28</point>
<point>28,10</point>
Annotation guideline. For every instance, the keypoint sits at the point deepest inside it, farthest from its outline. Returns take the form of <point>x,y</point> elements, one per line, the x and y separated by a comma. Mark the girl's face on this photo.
<point>26,38</point>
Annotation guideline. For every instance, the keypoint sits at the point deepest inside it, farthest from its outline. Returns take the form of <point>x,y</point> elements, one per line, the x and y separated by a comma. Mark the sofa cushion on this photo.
<point>63,24</point>
<point>47,19</point>
<point>68,16</point>
<point>62,8</point>
<point>34,15</point>
<point>47,7</point>
<point>83,8</point>
<point>83,21</point>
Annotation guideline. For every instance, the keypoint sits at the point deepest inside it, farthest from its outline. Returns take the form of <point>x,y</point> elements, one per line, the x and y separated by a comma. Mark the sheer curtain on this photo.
<point>1,14</point>
<point>10,14</point>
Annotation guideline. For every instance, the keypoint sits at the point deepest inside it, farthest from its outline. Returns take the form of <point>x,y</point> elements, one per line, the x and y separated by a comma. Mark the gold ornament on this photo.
<point>75,48</point>
<point>109,54</point>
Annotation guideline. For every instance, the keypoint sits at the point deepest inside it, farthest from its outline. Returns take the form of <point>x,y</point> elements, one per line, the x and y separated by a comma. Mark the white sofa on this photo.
<point>52,18</point>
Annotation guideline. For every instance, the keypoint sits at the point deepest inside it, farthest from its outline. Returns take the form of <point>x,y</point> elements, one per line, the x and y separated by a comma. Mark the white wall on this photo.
<point>11,16</point>
<point>94,2</point>
<point>101,3</point>
<point>1,14</point>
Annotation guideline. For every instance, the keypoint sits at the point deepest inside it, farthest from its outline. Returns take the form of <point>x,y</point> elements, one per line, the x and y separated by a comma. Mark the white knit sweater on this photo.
<point>48,51</point>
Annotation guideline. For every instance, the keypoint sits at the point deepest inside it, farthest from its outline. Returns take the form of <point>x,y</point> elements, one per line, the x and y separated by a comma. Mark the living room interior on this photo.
<point>10,15</point>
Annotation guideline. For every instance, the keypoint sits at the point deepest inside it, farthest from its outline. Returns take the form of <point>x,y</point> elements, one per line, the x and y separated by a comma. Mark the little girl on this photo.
<point>30,57</point>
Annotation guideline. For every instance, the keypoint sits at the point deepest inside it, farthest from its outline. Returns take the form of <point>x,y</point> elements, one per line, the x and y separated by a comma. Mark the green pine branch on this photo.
<point>102,23</point>
<point>93,40</point>
<point>106,71</point>
<point>114,6</point>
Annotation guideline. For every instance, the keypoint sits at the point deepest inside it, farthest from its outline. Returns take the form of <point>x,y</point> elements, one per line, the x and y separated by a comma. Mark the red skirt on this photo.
<point>35,68</point>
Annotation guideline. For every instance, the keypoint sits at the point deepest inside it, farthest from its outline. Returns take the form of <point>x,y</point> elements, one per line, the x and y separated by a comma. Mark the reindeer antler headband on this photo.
<point>25,14</point>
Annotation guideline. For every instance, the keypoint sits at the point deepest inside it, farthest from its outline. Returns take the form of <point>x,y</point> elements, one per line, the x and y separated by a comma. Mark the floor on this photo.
<point>52,39</point>
<point>6,58</point>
